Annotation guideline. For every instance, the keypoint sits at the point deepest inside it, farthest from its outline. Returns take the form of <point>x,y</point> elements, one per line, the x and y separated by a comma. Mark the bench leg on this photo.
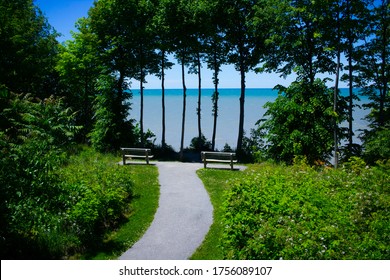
<point>124,160</point>
<point>231,165</point>
<point>205,164</point>
<point>147,159</point>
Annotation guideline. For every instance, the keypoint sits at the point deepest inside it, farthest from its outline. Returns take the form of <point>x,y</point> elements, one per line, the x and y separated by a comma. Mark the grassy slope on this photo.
<point>143,207</point>
<point>216,183</point>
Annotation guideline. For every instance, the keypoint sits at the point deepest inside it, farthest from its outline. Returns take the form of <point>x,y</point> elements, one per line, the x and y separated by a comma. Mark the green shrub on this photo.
<point>99,194</point>
<point>300,122</point>
<point>297,212</point>
<point>377,145</point>
<point>35,134</point>
<point>200,144</point>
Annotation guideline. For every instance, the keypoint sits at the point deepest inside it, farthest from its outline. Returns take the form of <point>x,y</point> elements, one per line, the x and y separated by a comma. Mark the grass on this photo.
<point>216,183</point>
<point>143,207</point>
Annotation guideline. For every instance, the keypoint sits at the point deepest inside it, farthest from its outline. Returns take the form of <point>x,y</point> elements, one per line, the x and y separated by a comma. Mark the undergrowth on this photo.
<point>298,212</point>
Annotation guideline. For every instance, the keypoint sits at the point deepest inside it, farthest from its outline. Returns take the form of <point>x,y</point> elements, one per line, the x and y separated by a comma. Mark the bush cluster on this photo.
<point>296,212</point>
<point>98,194</point>
<point>52,206</point>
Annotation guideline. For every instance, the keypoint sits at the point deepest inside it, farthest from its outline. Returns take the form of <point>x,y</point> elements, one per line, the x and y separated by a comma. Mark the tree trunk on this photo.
<point>199,101</point>
<point>142,95</point>
<point>184,109</point>
<point>350,79</point>
<point>142,110</point>
<point>384,66</point>
<point>335,95</point>
<point>215,99</point>
<point>215,103</point>
<point>350,99</point>
<point>163,143</point>
<point>242,112</point>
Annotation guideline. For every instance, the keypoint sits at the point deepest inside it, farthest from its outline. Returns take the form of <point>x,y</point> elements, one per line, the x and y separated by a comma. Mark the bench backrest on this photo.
<point>218,155</point>
<point>136,151</point>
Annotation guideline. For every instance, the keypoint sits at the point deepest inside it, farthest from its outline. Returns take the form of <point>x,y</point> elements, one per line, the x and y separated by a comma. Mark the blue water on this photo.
<point>228,116</point>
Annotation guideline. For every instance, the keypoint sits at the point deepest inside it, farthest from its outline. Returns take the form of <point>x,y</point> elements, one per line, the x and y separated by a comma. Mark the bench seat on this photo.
<point>218,157</point>
<point>141,153</point>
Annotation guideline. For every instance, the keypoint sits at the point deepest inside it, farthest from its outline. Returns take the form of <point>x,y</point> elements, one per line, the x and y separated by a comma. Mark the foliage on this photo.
<point>79,67</point>
<point>33,138</point>
<point>66,211</point>
<point>148,136</point>
<point>253,147</point>
<point>97,198</point>
<point>48,211</point>
<point>201,144</point>
<point>245,40</point>
<point>296,212</point>
<point>300,122</point>
<point>28,49</point>
<point>377,145</point>
<point>373,67</point>
<point>164,152</point>
<point>143,205</point>
<point>111,128</point>
<point>373,70</point>
<point>216,182</point>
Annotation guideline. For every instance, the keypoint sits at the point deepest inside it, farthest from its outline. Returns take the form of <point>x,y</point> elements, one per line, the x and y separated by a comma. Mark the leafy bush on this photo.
<point>377,145</point>
<point>34,134</point>
<point>164,153</point>
<point>46,210</point>
<point>300,122</point>
<point>149,137</point>
<point>99,194</point>
<point>200,144</point>
<point>281,212</point>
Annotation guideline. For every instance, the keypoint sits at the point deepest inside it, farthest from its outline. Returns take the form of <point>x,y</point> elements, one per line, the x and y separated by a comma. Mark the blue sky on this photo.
<point>63,14</point>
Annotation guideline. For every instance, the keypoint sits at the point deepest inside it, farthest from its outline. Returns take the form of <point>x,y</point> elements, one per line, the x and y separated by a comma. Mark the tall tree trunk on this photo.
<point>199,101</point>
<point>384,67</point>
<point>184,108</point>
<point>242,111</point>
<point>350,78</point>
<point>350,98</point>
<point>142,110</point>
<point>215,101</point>
<point>335,97</point>
<point>163,143</point>
<point>119,98</point>
<point>336,92</point>
<point>142,77</point>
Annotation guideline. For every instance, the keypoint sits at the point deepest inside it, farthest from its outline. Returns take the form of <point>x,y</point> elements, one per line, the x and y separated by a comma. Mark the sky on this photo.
<point>63,14</point>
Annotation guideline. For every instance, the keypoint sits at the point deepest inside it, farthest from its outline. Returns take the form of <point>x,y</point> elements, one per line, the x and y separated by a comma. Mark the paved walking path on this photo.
<point>183,217</point>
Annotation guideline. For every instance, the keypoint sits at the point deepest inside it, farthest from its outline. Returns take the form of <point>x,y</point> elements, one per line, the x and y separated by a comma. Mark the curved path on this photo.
<point>183,217</point>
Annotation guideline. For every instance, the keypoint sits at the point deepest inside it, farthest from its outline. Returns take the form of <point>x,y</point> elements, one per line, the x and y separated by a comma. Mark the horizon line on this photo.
<point>220,88</point>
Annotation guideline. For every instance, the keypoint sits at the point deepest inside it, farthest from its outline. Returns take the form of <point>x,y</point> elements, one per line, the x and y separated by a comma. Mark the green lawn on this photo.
<point>216,183</point>
<point>143,205</point>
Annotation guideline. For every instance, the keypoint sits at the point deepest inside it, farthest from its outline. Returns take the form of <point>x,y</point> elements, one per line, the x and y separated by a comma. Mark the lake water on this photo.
<point>228,116</point>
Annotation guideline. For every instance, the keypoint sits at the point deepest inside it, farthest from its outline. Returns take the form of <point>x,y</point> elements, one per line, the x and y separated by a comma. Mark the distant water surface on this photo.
<point>228,115</point>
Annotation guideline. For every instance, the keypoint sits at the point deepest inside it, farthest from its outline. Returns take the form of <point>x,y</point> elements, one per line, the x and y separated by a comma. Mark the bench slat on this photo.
<point>220,160</point>
<point>136,153</point>
<point>220,157</point>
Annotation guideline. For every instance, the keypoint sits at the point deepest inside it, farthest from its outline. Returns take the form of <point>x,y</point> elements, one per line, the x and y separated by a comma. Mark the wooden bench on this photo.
<point>218,157</point>
<point>131,153</point>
